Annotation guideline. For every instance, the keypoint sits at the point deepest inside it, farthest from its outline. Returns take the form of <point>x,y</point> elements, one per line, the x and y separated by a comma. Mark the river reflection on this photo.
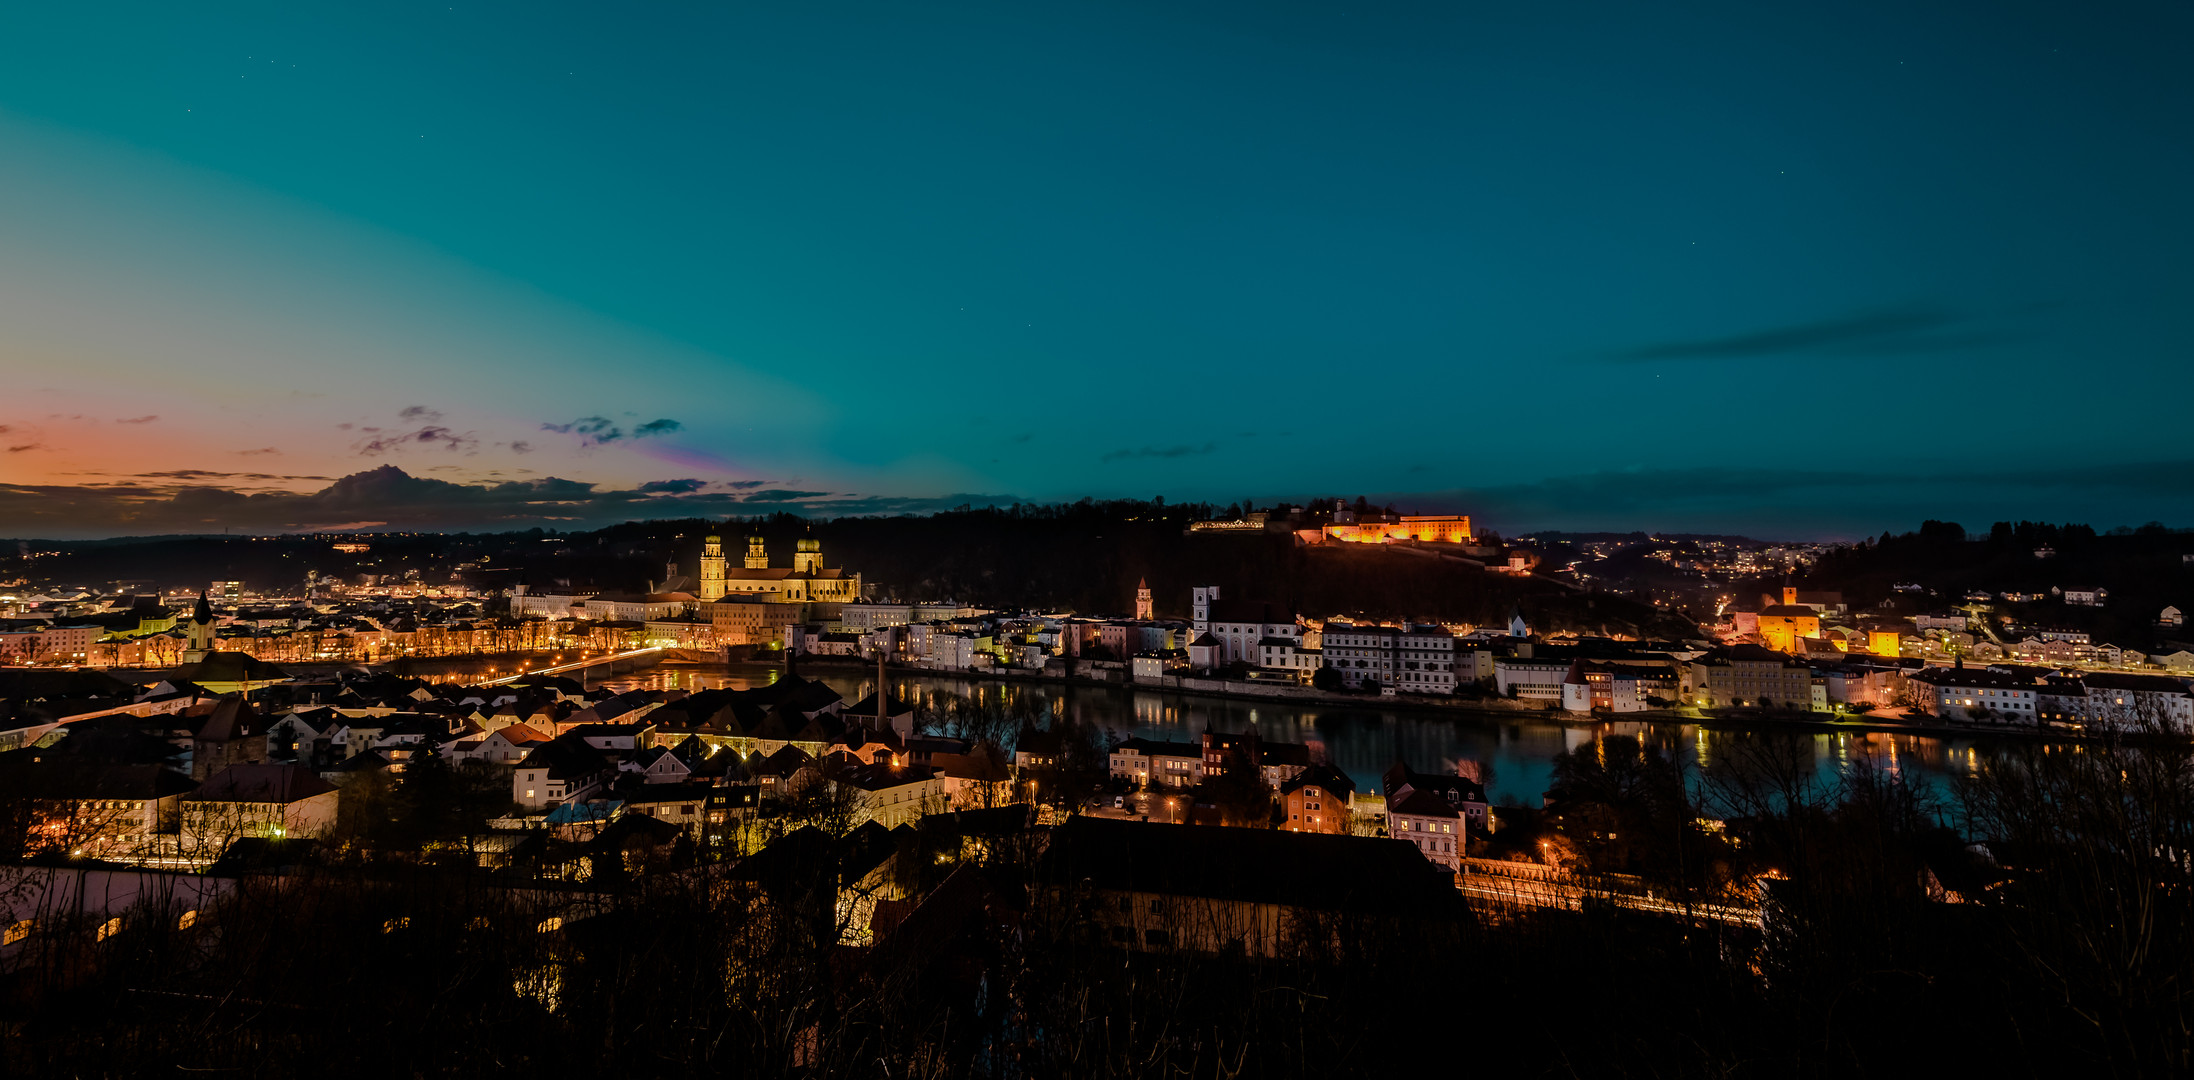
<point>1517,749</point>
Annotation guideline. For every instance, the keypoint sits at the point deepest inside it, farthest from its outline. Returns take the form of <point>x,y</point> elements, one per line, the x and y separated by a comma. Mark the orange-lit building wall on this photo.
<point>1884,643</point>
<point>1781,632</point>
<point>1450,530</point>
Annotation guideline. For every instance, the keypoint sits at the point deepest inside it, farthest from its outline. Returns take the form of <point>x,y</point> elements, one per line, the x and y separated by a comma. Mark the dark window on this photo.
<point>1158,937</point>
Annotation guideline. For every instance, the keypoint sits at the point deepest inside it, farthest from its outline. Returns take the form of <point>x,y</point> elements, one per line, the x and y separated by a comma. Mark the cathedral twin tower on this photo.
<point>808,580</point>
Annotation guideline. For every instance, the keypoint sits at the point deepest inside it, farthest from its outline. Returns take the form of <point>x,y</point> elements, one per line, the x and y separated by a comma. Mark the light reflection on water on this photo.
<point>1364,741</point>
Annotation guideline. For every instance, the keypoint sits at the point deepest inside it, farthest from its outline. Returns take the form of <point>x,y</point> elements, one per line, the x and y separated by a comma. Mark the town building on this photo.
<point>1150,763</point>
<point>269,801</point>
<point>1530,678</point>
<point>558,771</point>
<point>1239,627</point>
<point>1747,675</point>
<point>1782,626</point>
<point>1433,812</point>
<point>893,795</point>
<point>1316,800</point>
<point>1975,695</point>
<point>1259,893</point>
<point>2116,701</point>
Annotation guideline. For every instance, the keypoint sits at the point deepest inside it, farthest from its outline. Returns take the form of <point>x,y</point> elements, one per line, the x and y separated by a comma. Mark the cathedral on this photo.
<point>807,581</point>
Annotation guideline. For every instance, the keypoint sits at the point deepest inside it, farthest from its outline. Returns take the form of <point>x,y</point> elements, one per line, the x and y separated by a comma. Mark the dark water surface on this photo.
<point>1364,741</point>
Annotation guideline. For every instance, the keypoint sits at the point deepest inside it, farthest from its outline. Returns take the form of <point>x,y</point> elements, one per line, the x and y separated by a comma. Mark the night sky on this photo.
<point>1804,270</point>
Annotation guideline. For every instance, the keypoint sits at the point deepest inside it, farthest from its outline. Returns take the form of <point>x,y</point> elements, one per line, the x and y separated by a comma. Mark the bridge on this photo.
<point>616,663</point>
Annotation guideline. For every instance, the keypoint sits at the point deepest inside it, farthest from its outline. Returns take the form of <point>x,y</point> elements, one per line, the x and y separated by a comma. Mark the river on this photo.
<point>1516,748</point>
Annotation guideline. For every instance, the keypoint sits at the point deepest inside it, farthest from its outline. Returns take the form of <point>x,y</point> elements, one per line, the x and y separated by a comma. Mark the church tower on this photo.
<point>712,569</point>
<point>807,556</point>
<point>757,558</point>
<point>198,643</point>
<point>1144,607</point>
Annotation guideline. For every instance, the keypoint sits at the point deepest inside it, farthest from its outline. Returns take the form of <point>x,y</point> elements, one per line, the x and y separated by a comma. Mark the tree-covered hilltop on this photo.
<point>1085,557</point>
<point>2143,569</point>
<point>1088,556</point>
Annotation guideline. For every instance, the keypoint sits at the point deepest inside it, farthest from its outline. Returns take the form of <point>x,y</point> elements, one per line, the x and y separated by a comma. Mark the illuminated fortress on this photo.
<point>1442,529</point>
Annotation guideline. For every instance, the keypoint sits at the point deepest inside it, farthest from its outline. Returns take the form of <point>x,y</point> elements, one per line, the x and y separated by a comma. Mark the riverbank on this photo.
<point>1537,712</point>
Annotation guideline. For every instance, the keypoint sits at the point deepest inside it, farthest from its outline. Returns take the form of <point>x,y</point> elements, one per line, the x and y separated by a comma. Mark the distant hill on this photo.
<point>2144,569</point>
<point>1085,557</point>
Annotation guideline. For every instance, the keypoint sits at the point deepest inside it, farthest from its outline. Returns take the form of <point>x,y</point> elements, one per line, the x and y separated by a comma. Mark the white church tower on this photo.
<point>1200,600</point>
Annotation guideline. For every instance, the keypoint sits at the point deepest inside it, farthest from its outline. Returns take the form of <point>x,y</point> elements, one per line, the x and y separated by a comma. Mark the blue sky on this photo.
<point>1789,269</point>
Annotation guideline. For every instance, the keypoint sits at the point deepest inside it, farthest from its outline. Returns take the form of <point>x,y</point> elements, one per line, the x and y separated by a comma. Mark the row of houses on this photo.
<point>2016,696</point>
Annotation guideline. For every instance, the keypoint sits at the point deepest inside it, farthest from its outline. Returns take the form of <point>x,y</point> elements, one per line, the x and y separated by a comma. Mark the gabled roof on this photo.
<point>787,760</point>
<point>1157,748</point>
<point>879,777</point>
<point>232,718</point>
<point>1321,776</point>
<point>982,763</point>
<point>224,666</point>
<point>565,759</point>
<point>262,784</point>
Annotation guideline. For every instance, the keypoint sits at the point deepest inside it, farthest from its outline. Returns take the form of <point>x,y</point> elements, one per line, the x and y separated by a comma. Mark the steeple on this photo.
<point>1144,607</point>
<point>757,556</point>
<point>198,640</point>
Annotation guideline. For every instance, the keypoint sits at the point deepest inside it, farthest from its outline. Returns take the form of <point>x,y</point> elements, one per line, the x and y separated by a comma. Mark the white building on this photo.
<point>1528,678</point>
<point>1975,695</point>
<point>2120,701</point>
<point>1239,626</point>
<point>1150,763</point>
<point>1425,661</point>
<point>950,651</point>
<point>1288,655</point>
<point>1361,652</point>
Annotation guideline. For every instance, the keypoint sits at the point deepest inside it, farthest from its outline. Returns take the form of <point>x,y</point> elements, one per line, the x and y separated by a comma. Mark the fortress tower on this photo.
<point>1144,606</point>
<point>712,569</point>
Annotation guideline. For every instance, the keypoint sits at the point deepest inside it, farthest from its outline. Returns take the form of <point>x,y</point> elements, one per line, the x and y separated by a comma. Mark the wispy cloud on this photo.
<point>601,430</point>
<point>1160,452</point>
<point>149,418</point>
<point>1908,328</point>
<point>432,435</point>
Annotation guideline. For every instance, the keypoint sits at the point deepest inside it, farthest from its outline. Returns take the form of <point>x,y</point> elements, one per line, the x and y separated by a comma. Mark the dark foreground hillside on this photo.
<point>2064,945</point>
